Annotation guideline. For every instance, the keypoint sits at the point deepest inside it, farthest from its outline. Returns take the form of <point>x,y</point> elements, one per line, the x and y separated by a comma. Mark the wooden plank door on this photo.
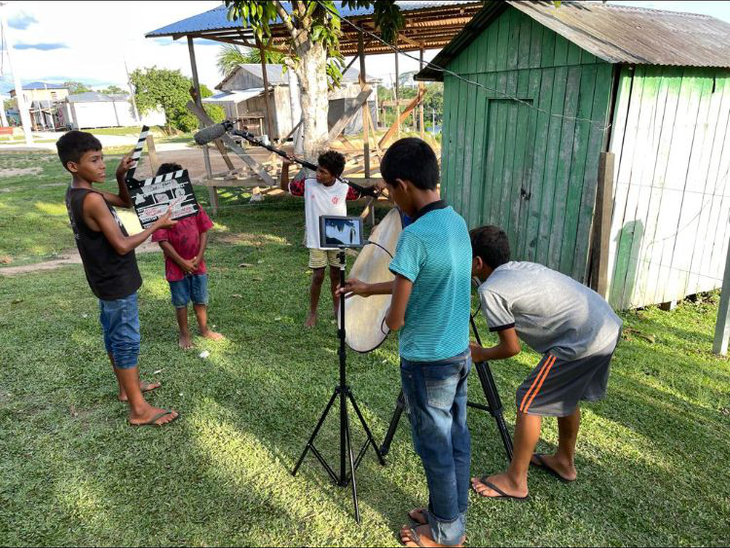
<point>507,157</point>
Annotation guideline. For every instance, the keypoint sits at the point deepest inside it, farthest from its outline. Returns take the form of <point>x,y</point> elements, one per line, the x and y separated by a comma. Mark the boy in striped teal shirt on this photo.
<point>430,305</point>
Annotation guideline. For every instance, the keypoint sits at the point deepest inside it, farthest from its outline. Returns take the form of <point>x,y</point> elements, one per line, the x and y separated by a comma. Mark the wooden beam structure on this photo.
<point>212,194</point>
<point>257,168</point>
<point>422,88</point>
<point>265,74</point>
<point>396,125</point>
<point>434,27</point>
<point>365,109</point>
<point>602,225</point>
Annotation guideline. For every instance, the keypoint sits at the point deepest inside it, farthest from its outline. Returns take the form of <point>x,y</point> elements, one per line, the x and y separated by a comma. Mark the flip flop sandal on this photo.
<point>543,466</point>
<point>422,513</point>
<point>502,494</point>
<point>153,420</point>
<point>415,537</point>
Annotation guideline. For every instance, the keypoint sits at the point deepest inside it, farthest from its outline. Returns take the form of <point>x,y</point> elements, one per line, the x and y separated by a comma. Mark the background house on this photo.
<point>242,96</point>
<point>92,110</point>
<point>42,91</point>
<point>561,85</point>
<point>43,100</point>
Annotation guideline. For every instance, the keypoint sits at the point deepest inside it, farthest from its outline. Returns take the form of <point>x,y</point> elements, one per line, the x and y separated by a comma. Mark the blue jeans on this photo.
<point>120,321</point>
<point>193,287</point>
<point>435,395</point>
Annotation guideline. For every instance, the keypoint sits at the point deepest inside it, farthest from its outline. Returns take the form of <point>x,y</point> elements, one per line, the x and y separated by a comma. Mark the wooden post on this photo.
<point>602,224</point>
<point>265,73</point>
<point>365,108</point>
<point>152,154</point>
<point>397,95</point>
<point>422,86</point>
<point>722,326</point>
<point>212,191</point>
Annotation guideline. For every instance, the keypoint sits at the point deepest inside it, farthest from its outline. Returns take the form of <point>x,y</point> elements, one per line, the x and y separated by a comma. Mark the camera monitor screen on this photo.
<point>337,232</point>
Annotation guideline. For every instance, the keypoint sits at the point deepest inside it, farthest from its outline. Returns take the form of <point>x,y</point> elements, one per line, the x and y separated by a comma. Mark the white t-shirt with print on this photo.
<point>322,200</point>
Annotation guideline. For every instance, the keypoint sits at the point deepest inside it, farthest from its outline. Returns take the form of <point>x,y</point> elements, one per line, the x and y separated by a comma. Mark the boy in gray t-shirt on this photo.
<point>574,329</point>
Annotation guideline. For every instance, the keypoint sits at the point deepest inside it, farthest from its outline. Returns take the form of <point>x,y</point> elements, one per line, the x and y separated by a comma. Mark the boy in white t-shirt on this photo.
<point>323,195</point>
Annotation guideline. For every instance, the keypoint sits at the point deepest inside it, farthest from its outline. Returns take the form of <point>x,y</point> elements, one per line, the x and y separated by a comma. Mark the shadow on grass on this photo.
<point>651,458</point>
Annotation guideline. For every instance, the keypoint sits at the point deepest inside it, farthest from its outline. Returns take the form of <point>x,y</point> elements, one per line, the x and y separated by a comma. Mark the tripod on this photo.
<point>494,403</point>
<point>343,391</point>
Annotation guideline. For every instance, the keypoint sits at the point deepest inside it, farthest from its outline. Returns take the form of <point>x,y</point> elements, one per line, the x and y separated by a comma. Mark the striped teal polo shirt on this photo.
<point>434,252</point>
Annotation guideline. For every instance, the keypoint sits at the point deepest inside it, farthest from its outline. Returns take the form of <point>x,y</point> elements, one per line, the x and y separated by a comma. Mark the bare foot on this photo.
<point>185,342</point>
<point>564,469</point>
<point>419,536</point>
<point>153,416</point>
<point>418,515</point>
<point>503,482</point>
<point>212,335</point>
<point>311,320</point>
<point>143,386</point>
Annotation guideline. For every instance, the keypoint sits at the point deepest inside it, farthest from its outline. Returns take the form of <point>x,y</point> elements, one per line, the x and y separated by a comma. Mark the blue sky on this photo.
<point>89,41</point>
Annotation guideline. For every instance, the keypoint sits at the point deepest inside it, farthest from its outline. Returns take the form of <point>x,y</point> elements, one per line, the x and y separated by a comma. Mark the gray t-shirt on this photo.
<point>550,311</point>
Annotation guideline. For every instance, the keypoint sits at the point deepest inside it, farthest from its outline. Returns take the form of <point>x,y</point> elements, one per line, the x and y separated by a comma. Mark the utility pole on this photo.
<point>24,116</point>
<point>131,91</point>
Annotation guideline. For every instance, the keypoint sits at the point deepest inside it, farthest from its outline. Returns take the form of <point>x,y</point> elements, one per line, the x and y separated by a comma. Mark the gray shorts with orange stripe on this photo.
<point>555,387</point>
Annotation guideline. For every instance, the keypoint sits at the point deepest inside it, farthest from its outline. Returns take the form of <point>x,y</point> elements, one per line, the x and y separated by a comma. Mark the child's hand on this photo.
<point>188,265</point>
<point>354,287</point>
<point>165,221</point>
<point>476,352</point>
<point>196,261</point>
<point>126,164</point>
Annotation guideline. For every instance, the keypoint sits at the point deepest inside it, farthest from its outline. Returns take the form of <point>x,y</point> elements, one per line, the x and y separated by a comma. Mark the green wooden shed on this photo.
<point>597,136</point>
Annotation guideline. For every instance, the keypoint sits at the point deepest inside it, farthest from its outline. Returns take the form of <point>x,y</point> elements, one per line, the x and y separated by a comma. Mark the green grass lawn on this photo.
<point>652,457</point>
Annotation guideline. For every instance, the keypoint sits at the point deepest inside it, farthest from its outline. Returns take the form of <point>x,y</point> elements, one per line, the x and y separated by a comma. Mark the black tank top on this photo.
<point>111,276</point>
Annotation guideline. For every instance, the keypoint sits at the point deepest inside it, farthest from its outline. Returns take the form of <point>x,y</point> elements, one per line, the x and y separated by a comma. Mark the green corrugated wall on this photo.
<point>526,164</point>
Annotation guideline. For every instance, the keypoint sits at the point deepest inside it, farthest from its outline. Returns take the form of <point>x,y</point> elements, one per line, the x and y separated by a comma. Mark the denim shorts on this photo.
<point>120,320</point>
<point>193,287</point>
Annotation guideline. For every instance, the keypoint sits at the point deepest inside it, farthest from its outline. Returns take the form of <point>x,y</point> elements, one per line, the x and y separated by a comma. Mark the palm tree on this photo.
<point>230,56</point>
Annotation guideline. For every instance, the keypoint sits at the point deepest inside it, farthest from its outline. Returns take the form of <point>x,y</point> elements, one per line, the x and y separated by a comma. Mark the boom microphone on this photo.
<point>208,134</point>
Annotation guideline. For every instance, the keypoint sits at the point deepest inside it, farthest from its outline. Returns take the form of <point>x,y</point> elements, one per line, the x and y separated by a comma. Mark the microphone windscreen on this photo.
<point>209,134</point>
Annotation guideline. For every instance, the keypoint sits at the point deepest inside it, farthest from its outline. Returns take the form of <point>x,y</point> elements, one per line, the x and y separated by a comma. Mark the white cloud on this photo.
<point>100,35</point>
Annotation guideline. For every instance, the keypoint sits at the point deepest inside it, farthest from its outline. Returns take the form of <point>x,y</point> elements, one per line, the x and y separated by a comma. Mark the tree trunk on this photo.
<point>312,73</point>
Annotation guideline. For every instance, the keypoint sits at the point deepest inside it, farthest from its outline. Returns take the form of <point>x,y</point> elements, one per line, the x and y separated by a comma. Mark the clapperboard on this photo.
<point>154,196</point>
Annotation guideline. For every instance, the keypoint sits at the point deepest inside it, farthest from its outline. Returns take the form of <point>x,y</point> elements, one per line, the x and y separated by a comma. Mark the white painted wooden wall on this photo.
<point>669,228</point>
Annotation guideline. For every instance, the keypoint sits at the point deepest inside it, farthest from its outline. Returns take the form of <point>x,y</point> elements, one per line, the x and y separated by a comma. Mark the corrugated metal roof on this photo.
<point>616,34</point>
<point>217,18</point>
<point>40,85</point>
<point>622,34</point>
<point>43,85</point>
<point>95,97</point>
<point>234,96</point>
<point>276,76</point>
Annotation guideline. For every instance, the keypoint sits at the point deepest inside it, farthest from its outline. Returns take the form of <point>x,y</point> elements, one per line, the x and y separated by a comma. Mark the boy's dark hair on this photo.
<point>491,244</point>
<point>411,159</point>
<point>332,161</point>
<point>74,144</point>
<point>168,168</point>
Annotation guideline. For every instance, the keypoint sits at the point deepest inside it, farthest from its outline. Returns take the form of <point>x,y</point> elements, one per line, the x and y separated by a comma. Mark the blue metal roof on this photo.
<point>42,85</point>
<point>217,18</point>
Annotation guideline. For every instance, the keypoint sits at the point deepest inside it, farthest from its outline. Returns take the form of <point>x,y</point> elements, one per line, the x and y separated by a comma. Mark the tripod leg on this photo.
<point>399,405</point>
<point>495,404</point>
<point>315,432</point>
<point>352,466</point>
<point>365,427</point>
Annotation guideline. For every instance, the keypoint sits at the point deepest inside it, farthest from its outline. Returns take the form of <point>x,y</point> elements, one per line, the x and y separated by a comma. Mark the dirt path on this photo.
<point>70,257</point>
